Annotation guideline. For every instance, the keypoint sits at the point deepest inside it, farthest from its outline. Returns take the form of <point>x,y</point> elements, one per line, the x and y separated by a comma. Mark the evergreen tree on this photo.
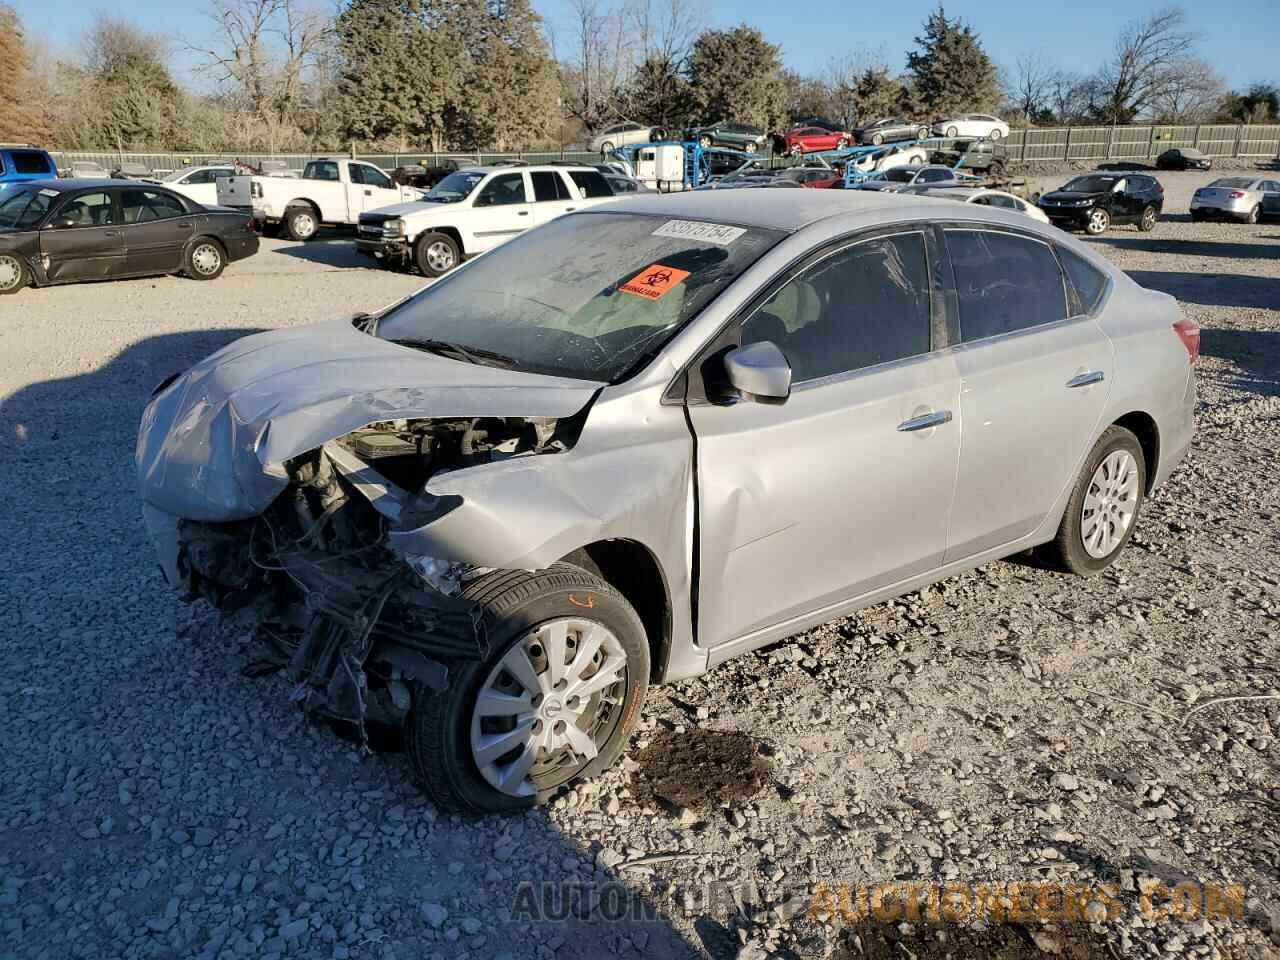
<point>737,75</point>
<point>19,121</point>
<point>950,72</point>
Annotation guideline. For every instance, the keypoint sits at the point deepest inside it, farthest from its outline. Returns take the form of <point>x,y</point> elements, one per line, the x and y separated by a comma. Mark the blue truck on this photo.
<point>20,162</point>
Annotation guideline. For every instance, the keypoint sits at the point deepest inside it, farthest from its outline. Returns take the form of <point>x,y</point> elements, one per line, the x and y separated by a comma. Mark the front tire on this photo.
<point>952,131</point>
<point>553,703</point>
<point>1104,506</point>
<point>1097,222</point>
<point>996,134</point>
<point>204,260</point>
<point>13,273</point>
<point>1255,214</point>
<point>301,223</point>
<point>435,254</point>
<point>877,139</point>
<point>751,146</point>
<point>922,133</point>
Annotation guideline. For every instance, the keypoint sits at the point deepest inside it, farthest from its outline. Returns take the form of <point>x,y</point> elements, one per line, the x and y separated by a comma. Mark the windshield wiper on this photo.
<point>444,348</point>
<point>365,323</point>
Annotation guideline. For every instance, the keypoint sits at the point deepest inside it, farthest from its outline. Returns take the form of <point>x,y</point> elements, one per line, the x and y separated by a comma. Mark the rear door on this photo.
<point>83,238</point>
<point>846,486</point>
<point>1271,198</point>
<point>592,187</point>
<point>1034,381</point>
<point>552,196</point>
<point>500,210</point>
<point>156,228</point>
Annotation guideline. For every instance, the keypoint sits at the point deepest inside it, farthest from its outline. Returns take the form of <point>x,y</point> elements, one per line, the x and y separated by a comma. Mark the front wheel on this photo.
<point>922,133</point>
<point>952,131</point>
<point>204,260</point>
<point>13,273</point>
<point>1255,214</point>
<point>797,151</point>
<point>435,254</point>
<point>704,142</point>
<point>751,146</point>
<point>1104,505</point>
<point>606,148</point>
<point>842,143</point>
<point>1147,222</point>
<point>877,139</point>
<point>553,703</point>
<point>997,134</point>
<point>1099,220</point>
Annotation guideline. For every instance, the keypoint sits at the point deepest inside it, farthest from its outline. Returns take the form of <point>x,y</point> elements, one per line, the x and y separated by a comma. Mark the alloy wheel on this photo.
<point>1097,220</point>
<point>1149,218</point>
<point>10,272</point>
<point>1110,504</point>
<point>548,706</point>
<point>206,258</point>
<point>440,256</point>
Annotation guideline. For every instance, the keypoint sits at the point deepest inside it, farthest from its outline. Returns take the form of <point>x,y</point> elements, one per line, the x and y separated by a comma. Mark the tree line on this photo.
<point>279,75</point>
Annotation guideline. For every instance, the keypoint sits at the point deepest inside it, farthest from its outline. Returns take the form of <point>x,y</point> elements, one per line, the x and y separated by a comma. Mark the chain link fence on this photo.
<point>1037,144</point>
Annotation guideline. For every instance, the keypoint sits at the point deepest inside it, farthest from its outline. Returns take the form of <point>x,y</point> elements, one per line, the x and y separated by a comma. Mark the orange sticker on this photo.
<point>654,281</point>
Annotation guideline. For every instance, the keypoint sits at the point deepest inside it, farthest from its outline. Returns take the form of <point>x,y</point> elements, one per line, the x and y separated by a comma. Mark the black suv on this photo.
<point>1097,200</point>
<point>981,156</point>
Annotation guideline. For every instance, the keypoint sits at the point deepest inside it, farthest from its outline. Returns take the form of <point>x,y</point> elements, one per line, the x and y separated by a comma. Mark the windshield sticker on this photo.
<point>716,233</point>
<point>654,281</point>
<point>48,193</point>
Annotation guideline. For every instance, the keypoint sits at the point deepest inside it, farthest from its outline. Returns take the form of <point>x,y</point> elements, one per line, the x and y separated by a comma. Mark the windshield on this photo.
<point>1233,183</point>
<point>1091,184</point>
<point>590,296</point>
<point>455,187</point>
<point>25,208</point>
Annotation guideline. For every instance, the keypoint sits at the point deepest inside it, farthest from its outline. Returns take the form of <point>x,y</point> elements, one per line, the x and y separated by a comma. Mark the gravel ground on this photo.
<point>1011,725</point>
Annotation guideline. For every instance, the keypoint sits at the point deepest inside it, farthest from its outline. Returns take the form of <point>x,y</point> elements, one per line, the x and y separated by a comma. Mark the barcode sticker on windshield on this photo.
<point>716,233</point>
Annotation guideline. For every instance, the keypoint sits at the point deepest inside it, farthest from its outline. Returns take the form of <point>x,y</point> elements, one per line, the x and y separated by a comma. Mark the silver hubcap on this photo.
<point>10,273</point>
<point>304,225</point>
<point>548,706</point>
<point>1149,217</point>
<point>1110,504</point>
<point>1098,220</point>
<point>440,256</point>
<point>206,259</point>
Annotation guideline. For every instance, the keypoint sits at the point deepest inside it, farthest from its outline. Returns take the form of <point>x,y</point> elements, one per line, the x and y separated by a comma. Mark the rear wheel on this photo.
<point>952,131</point>
<point>436,254</point>
<point>1099,220</point>
<point>205,260</point>
<point>877,139</point>
<point>13,273</point>
<point>1197,216</point>
<point>842,143</point>
<point>797,151</point>
<point>553,703</point>
<point>922,133</point>
<point>996,134</point>
<point>1147,222</point>
<point>1255,214</point>
<point>301,223</point>
<point>704,142</point>
<point>751,146</point>
<point>606,148</point>
<point>1104,505</point>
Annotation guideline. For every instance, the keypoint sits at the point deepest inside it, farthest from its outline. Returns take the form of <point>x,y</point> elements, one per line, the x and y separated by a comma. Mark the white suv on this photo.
<point>474,210</point>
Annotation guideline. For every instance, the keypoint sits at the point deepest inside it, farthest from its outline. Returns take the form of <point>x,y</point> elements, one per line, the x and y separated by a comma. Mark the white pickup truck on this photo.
<point>474,210</point>
<point>331,190</point>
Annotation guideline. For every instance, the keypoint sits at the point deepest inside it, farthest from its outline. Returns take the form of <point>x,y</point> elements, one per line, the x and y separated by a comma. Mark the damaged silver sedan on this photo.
<point>643,439</point>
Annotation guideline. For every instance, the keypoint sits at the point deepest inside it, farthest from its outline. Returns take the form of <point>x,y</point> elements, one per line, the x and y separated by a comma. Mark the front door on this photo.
<point>1033,386</point>
<point>156,229</point>
<point>83,241</point>
<point>370,188</point>
<point>500,211</point>
<point>845,487</point>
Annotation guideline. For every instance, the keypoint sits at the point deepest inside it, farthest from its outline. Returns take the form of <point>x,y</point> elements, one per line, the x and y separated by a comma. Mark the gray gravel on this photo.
<point>1008,725</point>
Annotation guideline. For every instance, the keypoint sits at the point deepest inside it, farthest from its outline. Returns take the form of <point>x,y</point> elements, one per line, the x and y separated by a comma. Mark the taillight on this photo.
<point>1236,194</point>
<point>255,188</point>
<point>1189,333</point>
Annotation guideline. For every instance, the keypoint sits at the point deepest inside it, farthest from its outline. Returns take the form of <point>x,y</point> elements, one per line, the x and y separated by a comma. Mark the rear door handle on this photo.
<point>111,233</point>
<point>926,420</point>
<point>184,224</point>
<point>523,213</point>
<point>570,209</point>
<point>1084,379</point>
<point>368,193</point>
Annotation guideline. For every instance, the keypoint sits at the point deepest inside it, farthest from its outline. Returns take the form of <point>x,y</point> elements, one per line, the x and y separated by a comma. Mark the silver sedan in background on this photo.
<point>1247,199</point>
<point>645,438</point>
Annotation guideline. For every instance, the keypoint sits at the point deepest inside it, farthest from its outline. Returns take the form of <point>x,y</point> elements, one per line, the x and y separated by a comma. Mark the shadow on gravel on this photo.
<point>1198,248</point>
<point>332,250</point>
<point>1255,352</point>
<point>1213,289</point>
<point>873,940</point>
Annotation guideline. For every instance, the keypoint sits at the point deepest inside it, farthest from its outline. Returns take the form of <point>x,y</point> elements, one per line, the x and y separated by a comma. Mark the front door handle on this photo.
<point>926,420</point>
<point>570,209</point>
<point>368,193</point>
<point>111,233</point>
<point>1086,378</point>
<point>184,224</point>
<point>523,213</point>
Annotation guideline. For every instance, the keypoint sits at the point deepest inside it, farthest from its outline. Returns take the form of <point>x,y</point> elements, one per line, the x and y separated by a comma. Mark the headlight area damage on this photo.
<point>359,620</point>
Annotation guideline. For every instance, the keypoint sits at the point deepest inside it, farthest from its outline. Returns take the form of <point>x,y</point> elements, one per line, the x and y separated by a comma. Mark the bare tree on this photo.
<point>596,57</point>
<point>1145,53</point>
<point>1030,85</point>
<point>1192,90</point>
<point>842,76</point>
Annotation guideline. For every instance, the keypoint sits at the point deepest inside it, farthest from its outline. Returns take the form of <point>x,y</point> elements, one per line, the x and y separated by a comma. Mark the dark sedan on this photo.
<point>1183,158</point>
<point>737,136</point>
<point>890,130</point>
<point>64,231</point>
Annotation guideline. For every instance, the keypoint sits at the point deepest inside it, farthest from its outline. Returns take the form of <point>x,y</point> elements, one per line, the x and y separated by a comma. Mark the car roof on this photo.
<point>62,186</point>
<point>516,168</point>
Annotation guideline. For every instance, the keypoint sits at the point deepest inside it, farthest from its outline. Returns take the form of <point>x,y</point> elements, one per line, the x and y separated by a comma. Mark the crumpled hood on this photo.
<point>212,444</point>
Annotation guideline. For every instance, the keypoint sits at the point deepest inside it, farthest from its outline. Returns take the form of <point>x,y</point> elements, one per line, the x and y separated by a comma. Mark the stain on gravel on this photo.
<point>873,940</point>
<point>698,769</point>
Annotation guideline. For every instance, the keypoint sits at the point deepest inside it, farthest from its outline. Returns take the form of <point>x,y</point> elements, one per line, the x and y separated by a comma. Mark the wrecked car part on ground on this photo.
<point>642,439</point>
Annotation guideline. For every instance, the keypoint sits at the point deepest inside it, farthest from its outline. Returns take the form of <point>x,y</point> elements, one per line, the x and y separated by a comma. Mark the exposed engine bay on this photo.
<point>358,624</point>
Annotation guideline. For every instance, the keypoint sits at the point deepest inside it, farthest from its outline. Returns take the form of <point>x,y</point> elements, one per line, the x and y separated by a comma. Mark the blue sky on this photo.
<point>1238,36</point>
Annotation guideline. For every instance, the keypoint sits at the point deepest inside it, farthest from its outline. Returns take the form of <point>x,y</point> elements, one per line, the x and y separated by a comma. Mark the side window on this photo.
<point>89,210</point>
<point>31,161</point>
<point>548,185</point>
<point>200,176</point>
<point>143,206</point>
<point>321,170</point>
<point>591,182</point>
<point>503,189</point>
<point>864,305</point>
<point>1089,282</point>
<point>370,176</point>
<point>934,176</point>
<point>1004,283</point>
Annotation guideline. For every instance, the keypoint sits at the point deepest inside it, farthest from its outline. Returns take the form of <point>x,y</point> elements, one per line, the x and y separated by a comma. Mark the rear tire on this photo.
<point>435,254</point>
<point>922,133</point>
<point>952,131</point>
<point>606,148</point>
<point>445,735</point>
<point>13,273</point>
<point>204,260</point>
<point>1104,506</point>
<point>997,134</point>
<point>1255,214</point>
<point>1147,222</point>
<point>301,223</point>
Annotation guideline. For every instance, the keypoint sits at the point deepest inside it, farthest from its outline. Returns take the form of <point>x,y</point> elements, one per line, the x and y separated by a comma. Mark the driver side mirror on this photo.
<point>760,372</point>
<point>484,200</point>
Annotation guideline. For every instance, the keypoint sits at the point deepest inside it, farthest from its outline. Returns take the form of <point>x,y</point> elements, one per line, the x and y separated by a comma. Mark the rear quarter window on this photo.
<point>1087,282</point>
<point>592,183</point>
<point>31,161</point>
